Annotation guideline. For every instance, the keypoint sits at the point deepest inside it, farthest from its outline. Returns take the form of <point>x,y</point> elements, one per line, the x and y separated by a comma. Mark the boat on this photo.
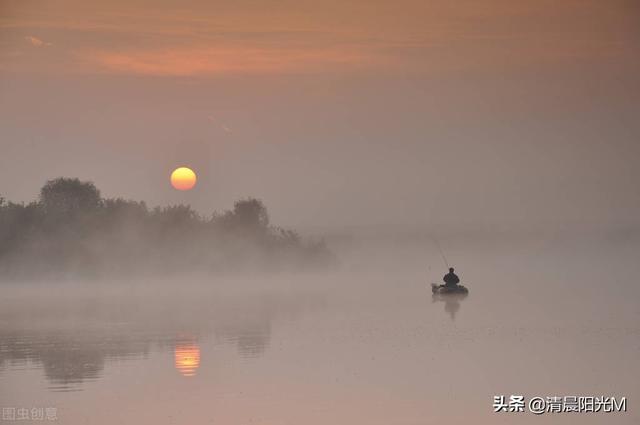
<point>445,290</point>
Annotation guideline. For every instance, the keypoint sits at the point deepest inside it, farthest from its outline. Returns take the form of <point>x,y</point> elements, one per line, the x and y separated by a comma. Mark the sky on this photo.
<point>334,113</point>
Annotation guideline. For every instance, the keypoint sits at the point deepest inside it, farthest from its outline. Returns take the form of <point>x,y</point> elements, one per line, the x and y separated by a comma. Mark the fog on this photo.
<point>363,343</point>
<point>72,232</point>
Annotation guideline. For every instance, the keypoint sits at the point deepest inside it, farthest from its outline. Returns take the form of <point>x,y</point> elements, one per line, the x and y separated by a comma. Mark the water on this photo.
<point>366,344</point>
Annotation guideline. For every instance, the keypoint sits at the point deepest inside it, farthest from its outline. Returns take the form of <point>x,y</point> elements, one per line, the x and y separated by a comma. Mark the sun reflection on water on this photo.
<point>187,358</point>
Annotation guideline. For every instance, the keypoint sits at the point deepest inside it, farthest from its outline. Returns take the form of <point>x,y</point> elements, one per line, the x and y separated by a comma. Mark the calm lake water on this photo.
<point>366,344</point>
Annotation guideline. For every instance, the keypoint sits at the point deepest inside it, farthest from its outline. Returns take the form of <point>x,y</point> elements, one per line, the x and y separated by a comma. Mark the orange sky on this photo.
<point>200,38</point>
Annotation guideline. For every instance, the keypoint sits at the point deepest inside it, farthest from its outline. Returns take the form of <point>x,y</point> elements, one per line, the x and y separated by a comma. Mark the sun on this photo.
<point>183,178</point>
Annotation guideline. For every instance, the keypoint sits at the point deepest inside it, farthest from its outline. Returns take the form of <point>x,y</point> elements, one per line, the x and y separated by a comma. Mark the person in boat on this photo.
<point>450,279</point>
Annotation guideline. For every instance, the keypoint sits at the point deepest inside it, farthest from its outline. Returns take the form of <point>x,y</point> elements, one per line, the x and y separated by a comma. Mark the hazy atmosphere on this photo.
<point>335,212</point>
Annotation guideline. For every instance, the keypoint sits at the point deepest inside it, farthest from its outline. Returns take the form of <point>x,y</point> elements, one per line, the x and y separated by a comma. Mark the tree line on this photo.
<point>72,231</point>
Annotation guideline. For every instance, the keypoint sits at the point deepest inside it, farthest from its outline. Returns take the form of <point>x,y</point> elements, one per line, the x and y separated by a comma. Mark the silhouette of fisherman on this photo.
<point>450,279</point>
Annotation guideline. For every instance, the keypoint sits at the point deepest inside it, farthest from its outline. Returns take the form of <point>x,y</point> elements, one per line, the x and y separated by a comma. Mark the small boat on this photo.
<point>444,290</point>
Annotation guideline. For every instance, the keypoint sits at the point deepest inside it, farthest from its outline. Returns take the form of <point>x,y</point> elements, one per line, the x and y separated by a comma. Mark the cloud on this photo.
<point>274,38</point>
<point>36,42</point>
<point>206,60</point>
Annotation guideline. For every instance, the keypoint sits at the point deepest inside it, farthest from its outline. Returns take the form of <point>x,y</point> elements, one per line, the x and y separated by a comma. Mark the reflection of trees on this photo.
<point>251,338</point>
<point>451,302</point>
<point>69,357</point>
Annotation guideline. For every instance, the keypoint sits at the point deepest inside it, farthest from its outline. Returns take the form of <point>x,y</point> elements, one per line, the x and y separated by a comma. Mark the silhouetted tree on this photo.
<point>18,224</point>
<point>66,195</point>
<point>119,207</point>
<point>248,216</point>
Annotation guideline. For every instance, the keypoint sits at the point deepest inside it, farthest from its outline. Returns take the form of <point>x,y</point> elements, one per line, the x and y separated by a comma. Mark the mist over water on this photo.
<point>363,343</point>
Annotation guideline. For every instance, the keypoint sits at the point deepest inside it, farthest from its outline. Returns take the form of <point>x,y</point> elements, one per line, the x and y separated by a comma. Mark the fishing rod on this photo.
<point>433,237</point>
<point>446,263</point>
